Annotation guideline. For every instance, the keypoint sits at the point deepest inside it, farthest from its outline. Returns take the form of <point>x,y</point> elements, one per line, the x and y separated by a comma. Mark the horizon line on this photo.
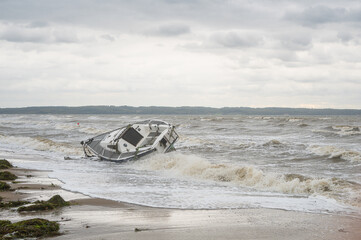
<point>184,106</point>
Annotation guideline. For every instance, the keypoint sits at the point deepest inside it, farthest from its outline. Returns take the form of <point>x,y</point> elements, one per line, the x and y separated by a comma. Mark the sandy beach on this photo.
<point>93,218</point>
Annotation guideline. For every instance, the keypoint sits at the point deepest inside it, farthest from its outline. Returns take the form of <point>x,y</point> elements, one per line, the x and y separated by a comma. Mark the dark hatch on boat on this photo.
<point>132,136</point>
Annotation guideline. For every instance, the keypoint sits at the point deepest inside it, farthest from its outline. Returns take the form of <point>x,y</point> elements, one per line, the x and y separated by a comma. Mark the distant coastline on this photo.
<point>177,110</point>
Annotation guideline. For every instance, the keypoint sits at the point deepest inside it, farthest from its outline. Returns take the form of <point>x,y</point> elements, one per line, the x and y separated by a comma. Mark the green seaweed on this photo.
<point>4,222</point>
<point>12,204</point>
<point>5,227</point>
<point>36,227</point>
<point>41,206</point>
<point>4,164</point>
<point>58,201</point>
<point>4,186</point>
<point>54,202</point>
<point>7,176</point>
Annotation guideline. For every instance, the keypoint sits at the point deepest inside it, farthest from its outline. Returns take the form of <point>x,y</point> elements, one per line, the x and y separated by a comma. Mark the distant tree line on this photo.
<point>177,110</point>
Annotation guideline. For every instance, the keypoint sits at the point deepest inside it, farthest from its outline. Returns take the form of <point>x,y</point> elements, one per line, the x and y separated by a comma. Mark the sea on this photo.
<point>297,163</point>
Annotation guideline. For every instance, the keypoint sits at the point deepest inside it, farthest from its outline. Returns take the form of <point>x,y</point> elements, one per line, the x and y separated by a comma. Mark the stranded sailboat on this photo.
<point>132,141</point>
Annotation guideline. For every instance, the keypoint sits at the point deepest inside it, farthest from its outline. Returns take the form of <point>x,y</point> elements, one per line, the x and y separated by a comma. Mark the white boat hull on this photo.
<point>133,141</point>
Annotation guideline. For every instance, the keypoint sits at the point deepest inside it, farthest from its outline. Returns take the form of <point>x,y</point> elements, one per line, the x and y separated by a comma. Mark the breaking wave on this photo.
<point>190,141</point>
<point>92,130</point>
<point>180,165</point>
<point>335,152</point>
<point>39,144</point>
<point>187,141</point>
<point>341,130</point>
<point>212,119</point>
<point>73,126</point>
<point>294,119</point>
<point>66,126</point>
<point>273,143</point>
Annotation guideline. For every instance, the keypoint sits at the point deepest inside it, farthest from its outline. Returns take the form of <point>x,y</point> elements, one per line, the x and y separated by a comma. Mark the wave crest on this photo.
<point>40,144</point>
<point>273,143</point>
<point>341,130</point>
<point>181,165</point>
<point>335,152</point>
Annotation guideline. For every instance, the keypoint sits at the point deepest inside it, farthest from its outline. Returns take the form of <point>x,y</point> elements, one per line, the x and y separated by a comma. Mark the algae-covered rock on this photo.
<point>13,204</point>
<point>7,176</point>
<point>4,223</point>
<point>40,206</point>
<point>36,227</point>
<point>54,202</point>
<point>4,164</point>
<point>5,227</point>
<point>58,201</point>
<point>4,186</point>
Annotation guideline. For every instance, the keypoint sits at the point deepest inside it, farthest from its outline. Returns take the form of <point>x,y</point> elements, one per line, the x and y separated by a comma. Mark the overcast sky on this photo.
<point>181,53</point>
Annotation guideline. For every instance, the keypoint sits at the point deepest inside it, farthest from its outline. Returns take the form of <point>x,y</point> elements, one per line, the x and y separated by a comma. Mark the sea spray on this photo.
<point>336,152</point>
<point>198,168</point>
<point>340,130</point>
<point>183,165</point>
<point>40,144</point>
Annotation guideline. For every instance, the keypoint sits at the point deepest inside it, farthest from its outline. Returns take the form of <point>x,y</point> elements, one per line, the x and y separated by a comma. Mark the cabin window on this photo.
<point>132,136</point>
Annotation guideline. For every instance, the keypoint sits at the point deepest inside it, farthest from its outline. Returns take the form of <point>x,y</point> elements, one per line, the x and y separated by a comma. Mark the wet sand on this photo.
<point>93,218</point>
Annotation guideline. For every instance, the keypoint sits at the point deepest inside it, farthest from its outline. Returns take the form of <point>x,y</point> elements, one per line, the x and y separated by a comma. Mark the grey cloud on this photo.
<point>112,14</point>
<point>37,24</point>
<point>64,36</point>
<point>108,37</point>
<point>130,15</point>
<point>235,40</point>
<point>344,36</point>
<point>170,30</point>
<point>323,14</point>
<point>20,36</point>
<point>23,33</point>
<point>354,15</point>
<point>296,42</point>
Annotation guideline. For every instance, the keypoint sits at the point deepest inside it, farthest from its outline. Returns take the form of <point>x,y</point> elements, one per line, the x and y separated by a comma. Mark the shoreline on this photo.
<point>96,218</point>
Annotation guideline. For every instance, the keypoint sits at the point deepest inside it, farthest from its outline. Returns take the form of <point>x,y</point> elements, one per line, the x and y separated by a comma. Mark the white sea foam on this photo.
<point>341,130</point>
<point>345,130</point>
<point>294,119</point>
<point>273,143</point>
<point>212,119</point>
<point>39,144</point>
<point>92,130</point>
<point>83,128</point>
<point>196,141</point>
<point>336,152</point>
<point>182,165</point>
<point>66,126</point>
<point>191,166</point>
